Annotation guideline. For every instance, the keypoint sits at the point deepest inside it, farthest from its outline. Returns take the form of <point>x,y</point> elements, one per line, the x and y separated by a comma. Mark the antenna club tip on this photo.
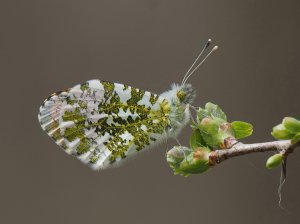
<point>209,40</point>
<point>215,48</point>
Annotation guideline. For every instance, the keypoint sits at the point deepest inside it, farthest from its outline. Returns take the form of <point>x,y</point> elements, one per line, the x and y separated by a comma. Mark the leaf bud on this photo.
<point>280,132</point>
<point>274,161</point>
<point>291,124</point>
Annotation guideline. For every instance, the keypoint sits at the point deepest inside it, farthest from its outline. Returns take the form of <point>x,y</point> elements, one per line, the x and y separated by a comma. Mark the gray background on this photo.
<point>47,46</point>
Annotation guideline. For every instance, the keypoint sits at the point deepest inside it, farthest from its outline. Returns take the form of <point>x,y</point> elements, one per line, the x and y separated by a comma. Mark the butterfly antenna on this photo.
<point>197,58</point>
<point>189,75</point>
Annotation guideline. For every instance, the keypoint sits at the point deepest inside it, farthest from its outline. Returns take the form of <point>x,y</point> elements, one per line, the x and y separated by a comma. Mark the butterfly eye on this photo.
<point>181,95</point>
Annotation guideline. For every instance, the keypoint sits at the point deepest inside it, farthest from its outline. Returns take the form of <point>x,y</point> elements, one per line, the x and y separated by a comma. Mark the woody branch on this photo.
<point>284,146</point>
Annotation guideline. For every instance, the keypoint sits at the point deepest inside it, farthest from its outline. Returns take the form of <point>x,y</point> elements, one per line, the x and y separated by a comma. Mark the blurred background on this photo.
<point>47,46</point>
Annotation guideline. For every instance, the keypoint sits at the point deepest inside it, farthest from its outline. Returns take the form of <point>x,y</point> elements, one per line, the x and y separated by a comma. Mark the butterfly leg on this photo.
<point>176,139</point>
<point>194,108</point>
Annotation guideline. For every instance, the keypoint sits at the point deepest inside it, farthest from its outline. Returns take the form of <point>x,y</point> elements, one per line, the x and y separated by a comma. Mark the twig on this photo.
<point>284,146</point>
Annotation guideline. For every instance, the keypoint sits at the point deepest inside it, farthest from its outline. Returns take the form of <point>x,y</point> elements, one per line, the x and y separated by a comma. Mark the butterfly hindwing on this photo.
<point>102,123</point>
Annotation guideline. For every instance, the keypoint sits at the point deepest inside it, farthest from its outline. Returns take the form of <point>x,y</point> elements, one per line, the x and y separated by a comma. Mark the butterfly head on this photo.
<point>185,94</point>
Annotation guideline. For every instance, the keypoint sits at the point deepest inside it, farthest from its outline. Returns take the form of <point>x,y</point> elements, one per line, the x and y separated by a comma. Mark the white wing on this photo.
<point>102,123</point>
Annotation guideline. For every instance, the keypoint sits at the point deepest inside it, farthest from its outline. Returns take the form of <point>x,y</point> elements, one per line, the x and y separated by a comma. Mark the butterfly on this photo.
<point>103,123</point>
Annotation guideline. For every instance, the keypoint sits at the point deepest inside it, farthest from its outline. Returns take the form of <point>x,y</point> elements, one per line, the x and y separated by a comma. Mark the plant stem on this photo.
<point>284,146</point>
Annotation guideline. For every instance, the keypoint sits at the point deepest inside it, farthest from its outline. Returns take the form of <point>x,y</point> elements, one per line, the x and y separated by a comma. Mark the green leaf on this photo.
<point>241,129</point>
<point>209,129</point>
<point>211,110</point>
<point>196,162</point>
<point>274,161</point>
<point>175,156</point>
<point>280,132</point>
<point>291,124</point>
<point>215,111</point>
<point>196,139</point>
<point>201,114</point>
<point>296,138</point>
<point>185,161</point>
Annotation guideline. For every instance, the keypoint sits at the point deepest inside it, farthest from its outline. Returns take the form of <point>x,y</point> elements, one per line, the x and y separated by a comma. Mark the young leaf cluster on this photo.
<point>211,131</point>
<point>289,129</point>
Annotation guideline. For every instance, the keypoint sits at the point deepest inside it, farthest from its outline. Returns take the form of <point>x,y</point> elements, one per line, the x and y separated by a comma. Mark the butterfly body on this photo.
<point>103,123</point>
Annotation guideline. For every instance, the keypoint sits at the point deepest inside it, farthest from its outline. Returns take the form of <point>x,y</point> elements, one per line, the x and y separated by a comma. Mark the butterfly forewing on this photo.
<point>102,123</point>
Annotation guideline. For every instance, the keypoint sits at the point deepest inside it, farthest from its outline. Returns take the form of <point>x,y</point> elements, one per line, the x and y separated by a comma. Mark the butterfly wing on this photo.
<point>102,123</point>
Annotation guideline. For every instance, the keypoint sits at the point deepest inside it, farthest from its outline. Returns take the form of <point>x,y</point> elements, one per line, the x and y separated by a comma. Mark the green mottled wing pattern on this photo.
<point>102,123</point>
